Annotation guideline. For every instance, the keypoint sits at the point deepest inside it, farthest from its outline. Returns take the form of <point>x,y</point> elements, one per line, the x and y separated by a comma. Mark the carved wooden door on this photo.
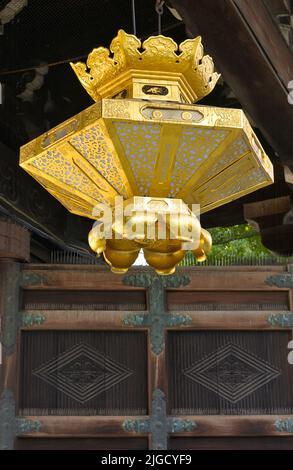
<point>191,361</point>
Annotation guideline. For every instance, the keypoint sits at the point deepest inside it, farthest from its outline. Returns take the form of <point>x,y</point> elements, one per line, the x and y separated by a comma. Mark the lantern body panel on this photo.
<point>203,155</point>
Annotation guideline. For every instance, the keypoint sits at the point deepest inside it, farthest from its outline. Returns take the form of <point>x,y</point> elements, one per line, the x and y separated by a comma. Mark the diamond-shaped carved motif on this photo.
<point>232,372</point>
<point>82,372</point>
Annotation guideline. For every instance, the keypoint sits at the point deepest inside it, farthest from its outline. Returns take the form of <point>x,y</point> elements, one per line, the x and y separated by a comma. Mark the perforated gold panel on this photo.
<point>203,155</point>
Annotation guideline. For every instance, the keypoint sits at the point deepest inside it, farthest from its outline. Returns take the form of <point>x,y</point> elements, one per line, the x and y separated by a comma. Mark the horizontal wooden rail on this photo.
<point>100,320</point>
<point>206,426</point>
<point>100,278</point>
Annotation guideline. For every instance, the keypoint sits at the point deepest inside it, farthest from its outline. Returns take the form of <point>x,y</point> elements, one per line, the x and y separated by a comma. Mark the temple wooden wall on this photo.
<point>195,360</point>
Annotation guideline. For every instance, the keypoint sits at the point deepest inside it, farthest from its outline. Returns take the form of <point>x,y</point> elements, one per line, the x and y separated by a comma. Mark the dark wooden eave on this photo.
<point>22,199</point>
<point>250,52</point>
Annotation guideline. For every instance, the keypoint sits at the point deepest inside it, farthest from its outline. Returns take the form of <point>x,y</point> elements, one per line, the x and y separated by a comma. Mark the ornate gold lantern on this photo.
<point>146,141</point>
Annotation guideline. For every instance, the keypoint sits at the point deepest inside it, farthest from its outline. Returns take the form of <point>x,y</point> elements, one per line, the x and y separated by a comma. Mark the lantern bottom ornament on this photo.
<point>163,228</point>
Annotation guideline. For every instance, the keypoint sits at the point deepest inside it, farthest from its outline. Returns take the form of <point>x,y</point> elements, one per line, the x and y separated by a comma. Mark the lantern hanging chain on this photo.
<point>160,11</point>
<point>133,17</point>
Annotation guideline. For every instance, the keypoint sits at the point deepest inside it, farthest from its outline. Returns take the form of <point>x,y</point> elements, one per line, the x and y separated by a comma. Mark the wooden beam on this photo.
<point>97,426</point>
<point>80,426</point>
<point>268,36</point>
<point>232,320</point>
<point>272,219</point>
<point>208,320</point>
<point>14,241</point>
<point>254,60</point>
<point>79,320</point>
<point>270,207</point>
<point>66,277</point>
<point>252,425</point>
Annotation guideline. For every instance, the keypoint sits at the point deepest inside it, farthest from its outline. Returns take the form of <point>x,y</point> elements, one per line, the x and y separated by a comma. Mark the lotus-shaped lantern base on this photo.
<point>163,228</point>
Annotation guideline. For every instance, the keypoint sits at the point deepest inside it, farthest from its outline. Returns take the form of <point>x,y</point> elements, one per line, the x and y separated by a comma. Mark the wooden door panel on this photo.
<point>83,373</point>
<point>229,372</point>
<point>104,361</point>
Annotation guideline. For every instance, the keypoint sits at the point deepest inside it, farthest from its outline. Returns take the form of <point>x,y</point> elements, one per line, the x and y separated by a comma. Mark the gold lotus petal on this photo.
<point>204,247</point>
<point>117,255</point>
<point>98,245</point>
<point>163,263</point>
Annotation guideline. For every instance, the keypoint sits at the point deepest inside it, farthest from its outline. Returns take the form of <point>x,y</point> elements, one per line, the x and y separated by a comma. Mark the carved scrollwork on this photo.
<point>148,279</point>
<point>155,53</point>
<point>31,319</point>
<point>284,425</point>
<point>284,320</point>
<point>25,426</point>
<point>280,280</point>
<point>117,109</point>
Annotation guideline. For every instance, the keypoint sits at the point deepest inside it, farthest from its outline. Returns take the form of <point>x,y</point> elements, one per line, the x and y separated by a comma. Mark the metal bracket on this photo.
<point>10,425</point>
<point>283,320</point>
<point>284,425</point>
<point>31,319</point>
<point>29,278</point>
<point>7,420</point>
<point>158,424</point>
<point>281,280</point>
<point>157,318</point>
<point>25,426</point>
<point>150,280</point>
<point>10,309</point>
<point>12,319</point>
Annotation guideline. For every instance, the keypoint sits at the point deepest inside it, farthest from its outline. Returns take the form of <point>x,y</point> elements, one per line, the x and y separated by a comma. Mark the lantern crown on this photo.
<point>156,68</point>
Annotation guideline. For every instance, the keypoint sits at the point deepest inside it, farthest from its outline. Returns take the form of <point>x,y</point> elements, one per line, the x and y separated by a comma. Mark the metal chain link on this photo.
<point>160,10</point>
<point>133,17</point>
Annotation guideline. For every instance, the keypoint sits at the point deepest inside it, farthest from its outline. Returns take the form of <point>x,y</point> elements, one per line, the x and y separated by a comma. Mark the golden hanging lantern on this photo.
<point>146,141</point>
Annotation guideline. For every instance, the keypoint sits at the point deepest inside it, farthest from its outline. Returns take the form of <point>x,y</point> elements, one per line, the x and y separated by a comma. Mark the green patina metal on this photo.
<point>281,280</point>
<point>12,318</point>
<point>158,424</point>
<point>11,321</point>
<point>7,420</point>
<point>31,319</point>
<point>136,320</point>
<point>10,308</point>
<point>182,425</point>
<point>149,279</point>
<point>141,426</point>
<point>159,421</point>
<point>283,320</point>
<point>157,318</point>
<point>284,425</point>
<point>30,278</point>
<point>179,320</point>
<point>25,426</point>
<point>10,425</point>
